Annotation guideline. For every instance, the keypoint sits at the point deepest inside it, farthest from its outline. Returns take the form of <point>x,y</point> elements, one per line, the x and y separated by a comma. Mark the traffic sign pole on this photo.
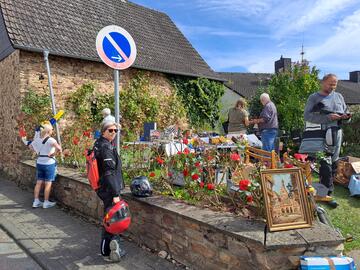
<point>117,107</point>
<point>117,49</point>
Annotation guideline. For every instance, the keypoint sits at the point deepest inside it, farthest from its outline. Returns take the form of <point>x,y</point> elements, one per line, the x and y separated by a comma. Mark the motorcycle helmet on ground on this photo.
<point>141,187</point>
<point>118,218</point>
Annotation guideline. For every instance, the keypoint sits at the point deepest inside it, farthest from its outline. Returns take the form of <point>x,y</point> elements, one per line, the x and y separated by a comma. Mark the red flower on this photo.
<point>179,153</point>
<point>87,133</point>
<point>186,151</point>
<point>210,186</point>
<point>170,174</point>
<point>76,140</point>
<point>288,166</point>
<point>152,174</point>
<point>160,161</point>
<point>195,177</point>
<point>185,141</point>
<point>185,172</point>
<point>125,147</point>
<point>197,164</point>
<point>209,158</point>
<point>235,157</point>
<point>244,184</point>
<point>249,198</point>
<point>201,184</point>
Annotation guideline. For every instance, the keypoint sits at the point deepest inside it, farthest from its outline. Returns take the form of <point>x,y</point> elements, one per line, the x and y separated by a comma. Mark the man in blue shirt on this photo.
<point>328,108</point>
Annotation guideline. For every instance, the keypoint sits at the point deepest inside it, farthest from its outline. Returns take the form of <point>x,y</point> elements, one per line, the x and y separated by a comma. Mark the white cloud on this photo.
<point>237,7</point>
<point>302,15</point>
<point>211,31</point>
<point>342,46</point>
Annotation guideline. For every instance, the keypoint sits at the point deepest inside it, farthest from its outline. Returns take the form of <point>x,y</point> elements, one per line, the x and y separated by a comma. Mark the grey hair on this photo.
<point>328,76</point>
<point>264,96</point>
<point>106,124</point>
<point>106,111</point>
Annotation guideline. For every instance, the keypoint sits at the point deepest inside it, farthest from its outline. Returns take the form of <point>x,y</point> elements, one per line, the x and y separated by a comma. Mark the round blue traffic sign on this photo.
<point>116,47</point>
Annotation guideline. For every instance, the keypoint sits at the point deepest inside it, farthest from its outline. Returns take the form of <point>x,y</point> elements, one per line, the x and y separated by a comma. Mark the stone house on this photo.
<point>68,31</point>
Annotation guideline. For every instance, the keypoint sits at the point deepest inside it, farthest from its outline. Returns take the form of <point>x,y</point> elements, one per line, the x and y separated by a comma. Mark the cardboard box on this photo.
<point>346,168</point>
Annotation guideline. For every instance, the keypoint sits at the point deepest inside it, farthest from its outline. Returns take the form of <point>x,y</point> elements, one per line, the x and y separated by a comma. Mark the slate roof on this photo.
<point>69,28</point>
<point>350,91</point>
<point>245,84</point>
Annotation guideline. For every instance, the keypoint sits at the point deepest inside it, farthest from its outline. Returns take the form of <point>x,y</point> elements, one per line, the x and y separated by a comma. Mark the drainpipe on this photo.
<point>46,54</point>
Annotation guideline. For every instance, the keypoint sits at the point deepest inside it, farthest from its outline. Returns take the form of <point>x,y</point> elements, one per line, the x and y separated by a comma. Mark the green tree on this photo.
<point>290,91</point>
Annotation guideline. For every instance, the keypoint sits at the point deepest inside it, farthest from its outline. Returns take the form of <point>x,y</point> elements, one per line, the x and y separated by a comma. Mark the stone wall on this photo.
<point>10,144</point>
<point>22,71</point>
<point>199,238</point>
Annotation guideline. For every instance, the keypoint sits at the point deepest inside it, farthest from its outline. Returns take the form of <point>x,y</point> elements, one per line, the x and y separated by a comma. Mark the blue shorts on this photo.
<point>46,172</point>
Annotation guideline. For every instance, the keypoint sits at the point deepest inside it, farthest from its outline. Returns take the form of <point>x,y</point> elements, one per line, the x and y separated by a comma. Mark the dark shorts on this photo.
<point>46,172</point>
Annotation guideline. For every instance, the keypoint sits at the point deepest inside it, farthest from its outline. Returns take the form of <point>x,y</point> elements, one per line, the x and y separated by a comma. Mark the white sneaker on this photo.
<point>116,252</point>
<point>37,204</point>
<point>48,204</point>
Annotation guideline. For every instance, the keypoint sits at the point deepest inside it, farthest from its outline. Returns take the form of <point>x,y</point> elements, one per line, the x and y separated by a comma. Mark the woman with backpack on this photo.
<point>46,148</point>
<point>111,184</point>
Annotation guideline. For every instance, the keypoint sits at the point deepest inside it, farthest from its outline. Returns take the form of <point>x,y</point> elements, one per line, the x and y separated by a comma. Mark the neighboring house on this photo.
<point>241,85</point>
<point>246,84</point>
<point>350,89</point>
<point>68,30</point>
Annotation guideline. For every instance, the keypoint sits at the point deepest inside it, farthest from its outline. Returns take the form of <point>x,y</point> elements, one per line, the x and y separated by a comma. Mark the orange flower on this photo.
<point>160,161</point>
<point>152,174</point>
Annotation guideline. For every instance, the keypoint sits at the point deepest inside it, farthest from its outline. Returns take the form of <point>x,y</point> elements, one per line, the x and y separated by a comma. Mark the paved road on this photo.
<point>12,257</point>
<point>58,240</point>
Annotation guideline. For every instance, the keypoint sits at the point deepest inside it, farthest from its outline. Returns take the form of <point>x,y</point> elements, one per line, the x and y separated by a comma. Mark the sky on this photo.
<point>249,36</point>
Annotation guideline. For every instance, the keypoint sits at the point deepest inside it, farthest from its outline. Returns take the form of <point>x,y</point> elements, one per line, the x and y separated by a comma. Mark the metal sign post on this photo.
<point>46,58</point>
<point>117,107</point>
<point>117,49</point>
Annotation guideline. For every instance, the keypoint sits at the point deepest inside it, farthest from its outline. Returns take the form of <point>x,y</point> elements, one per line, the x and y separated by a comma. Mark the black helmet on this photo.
<point>140,186</point>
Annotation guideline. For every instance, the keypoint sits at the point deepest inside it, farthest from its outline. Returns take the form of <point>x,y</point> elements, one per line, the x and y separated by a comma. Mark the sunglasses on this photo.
<point>111,130</point>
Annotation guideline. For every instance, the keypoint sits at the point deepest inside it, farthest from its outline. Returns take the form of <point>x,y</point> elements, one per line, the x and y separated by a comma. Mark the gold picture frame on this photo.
<point>286,203</point>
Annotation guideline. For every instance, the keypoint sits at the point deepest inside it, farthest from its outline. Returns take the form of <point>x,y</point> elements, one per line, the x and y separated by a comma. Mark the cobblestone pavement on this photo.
<point>58,240</point>
<point>12,256</point>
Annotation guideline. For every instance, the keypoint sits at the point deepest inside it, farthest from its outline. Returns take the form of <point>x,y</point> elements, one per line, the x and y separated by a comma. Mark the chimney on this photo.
<point>354,76</point>
<point>282,65</point>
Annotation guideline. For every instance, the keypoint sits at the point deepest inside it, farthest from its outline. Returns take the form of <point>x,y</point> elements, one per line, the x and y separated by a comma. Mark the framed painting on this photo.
<point>285,199</point>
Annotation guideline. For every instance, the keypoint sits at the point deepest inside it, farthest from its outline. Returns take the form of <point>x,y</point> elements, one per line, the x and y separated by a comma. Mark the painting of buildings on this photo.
<point>285,198</point>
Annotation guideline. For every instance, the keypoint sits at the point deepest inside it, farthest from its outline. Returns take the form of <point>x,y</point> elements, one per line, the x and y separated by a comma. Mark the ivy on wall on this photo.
<point>201,98</point>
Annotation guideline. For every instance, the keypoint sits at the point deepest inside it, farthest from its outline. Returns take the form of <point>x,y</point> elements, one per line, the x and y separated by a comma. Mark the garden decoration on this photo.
<point>285,199</point>
<point>52,121</point>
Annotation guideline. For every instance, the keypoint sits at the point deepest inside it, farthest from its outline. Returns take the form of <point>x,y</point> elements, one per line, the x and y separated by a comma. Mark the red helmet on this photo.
<point>118,218</point>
